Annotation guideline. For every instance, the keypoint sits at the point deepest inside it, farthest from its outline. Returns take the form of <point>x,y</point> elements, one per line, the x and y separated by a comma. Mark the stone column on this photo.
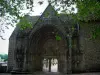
<point>65,64</point>
<point>69,68</point>
<point>15,67</point>
<point>16,55</point>
<point>37,66</point>
<point>25,62</point>
<point>49,64</point>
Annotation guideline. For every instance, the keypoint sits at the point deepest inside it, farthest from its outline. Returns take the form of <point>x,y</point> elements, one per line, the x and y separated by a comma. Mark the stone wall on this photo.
<point>90,48</point>
<point>11,56</point>
<point>11,52</point>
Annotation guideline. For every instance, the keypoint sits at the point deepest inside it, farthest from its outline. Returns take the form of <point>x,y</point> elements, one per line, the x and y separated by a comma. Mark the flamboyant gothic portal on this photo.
<point>49,43</point>
<point>54,41</point>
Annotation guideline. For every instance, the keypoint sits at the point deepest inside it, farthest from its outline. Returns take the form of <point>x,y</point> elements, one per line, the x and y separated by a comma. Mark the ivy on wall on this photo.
<point>58,38</point>
<point>24,23</point>
<point>96,32</point>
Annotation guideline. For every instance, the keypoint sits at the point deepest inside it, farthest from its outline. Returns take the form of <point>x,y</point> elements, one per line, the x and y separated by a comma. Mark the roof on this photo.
<point>32,19</point>
<point>49,11</point>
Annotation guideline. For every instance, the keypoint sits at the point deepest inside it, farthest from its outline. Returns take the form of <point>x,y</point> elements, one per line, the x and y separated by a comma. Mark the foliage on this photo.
<point>4,56</point>
<point>24,23</point>
<point>87,9</point>
<point>13,7</point>
<point>96,32</point>
<point>11,13</point>
<point>58,37</point>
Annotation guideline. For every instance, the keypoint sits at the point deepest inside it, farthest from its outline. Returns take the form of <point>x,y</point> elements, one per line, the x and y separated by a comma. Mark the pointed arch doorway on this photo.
<point>48,50</point>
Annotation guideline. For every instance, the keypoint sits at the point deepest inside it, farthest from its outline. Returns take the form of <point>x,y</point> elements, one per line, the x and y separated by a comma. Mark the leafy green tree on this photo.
<point>87,9</point>
<point>13,7</point>
<point>12,10</point>
<point>1,56</point>
<point>4,56</point>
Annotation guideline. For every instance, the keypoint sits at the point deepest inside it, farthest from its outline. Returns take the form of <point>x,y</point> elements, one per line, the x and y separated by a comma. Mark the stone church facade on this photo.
<point>53,36</point>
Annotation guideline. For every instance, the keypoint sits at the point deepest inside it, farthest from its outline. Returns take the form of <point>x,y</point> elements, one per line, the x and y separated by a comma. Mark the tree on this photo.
<point>87,9</point>
<point>11,12</point>
<point>4,56</point>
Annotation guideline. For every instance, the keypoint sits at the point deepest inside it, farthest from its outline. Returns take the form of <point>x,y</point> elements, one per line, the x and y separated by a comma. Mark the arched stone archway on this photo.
<point>44,44</point>
<point>30,46</point>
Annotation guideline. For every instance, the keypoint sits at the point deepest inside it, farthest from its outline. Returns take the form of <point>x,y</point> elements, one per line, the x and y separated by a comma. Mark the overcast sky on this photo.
<point>4,44</point>
<point>38,10</point>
